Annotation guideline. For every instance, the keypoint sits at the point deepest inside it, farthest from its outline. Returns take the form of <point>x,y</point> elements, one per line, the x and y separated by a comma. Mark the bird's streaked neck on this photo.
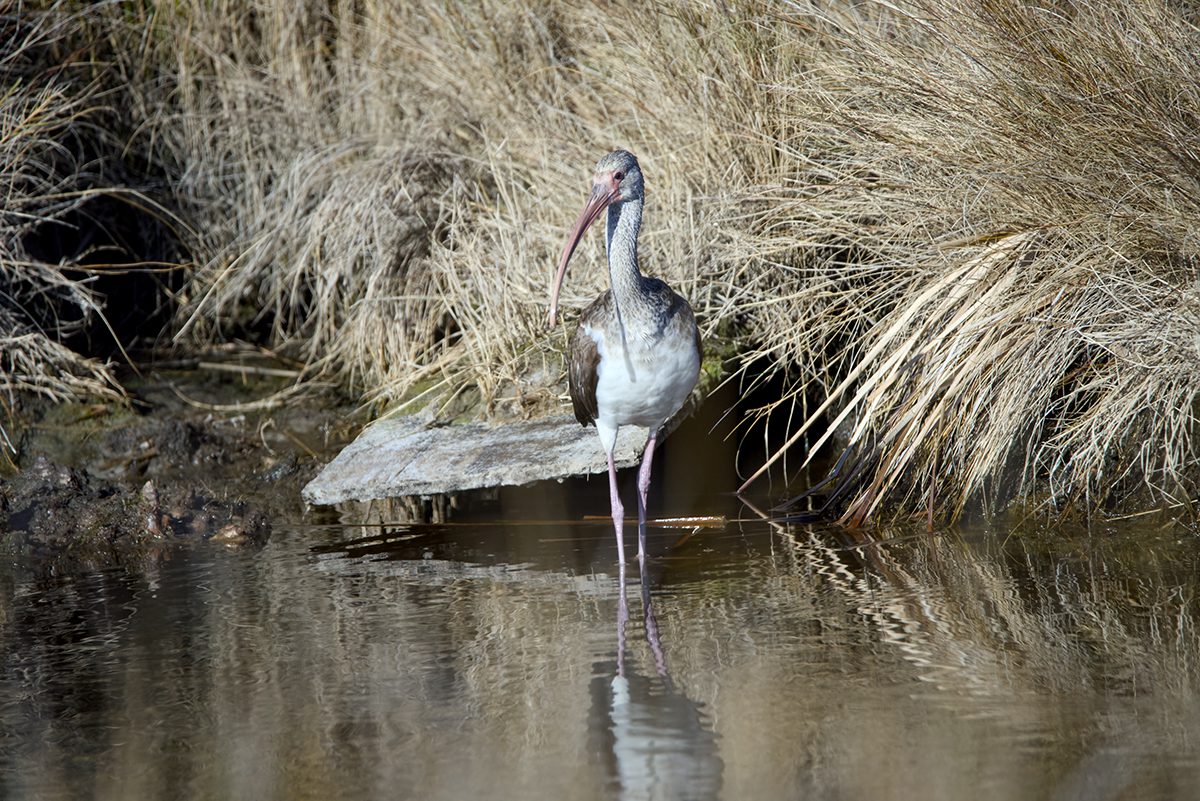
<point>624,222</point>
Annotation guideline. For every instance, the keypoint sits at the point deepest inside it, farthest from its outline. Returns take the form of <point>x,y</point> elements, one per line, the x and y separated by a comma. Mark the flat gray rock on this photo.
<point>411,456</point>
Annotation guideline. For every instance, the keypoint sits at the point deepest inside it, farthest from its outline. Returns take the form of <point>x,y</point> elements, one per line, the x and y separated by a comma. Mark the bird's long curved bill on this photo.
<point>596,203</point>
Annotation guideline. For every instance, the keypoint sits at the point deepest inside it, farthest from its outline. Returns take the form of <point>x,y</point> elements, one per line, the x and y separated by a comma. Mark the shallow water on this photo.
<point>482,659</point>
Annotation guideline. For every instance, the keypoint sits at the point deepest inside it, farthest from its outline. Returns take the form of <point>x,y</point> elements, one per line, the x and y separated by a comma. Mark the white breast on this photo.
<point>645,383</point>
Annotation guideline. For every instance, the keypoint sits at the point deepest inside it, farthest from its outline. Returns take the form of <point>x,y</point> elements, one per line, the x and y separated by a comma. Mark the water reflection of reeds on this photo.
<point>804,660</point>
<point>957,663</point>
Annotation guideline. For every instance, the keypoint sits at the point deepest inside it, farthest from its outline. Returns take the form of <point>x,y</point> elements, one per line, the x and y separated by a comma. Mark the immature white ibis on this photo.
<point>635,356</point>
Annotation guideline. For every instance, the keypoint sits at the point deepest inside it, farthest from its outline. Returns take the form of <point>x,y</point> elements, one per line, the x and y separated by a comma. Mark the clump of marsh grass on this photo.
<point>42,303</point>
<point>1020,186</point>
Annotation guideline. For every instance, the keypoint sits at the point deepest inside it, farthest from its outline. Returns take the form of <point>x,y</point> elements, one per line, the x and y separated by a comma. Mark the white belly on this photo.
<point>645,384</point>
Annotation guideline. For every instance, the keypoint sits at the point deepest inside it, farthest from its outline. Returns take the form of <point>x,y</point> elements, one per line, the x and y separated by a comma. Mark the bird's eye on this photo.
<point>618,175</point>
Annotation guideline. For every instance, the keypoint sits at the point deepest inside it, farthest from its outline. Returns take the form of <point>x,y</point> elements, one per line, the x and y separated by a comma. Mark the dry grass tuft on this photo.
<point>41,303</point>
<point>1019,185</point>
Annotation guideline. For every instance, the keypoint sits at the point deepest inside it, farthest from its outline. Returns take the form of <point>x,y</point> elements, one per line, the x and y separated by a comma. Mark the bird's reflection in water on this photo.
<point>657,743</point>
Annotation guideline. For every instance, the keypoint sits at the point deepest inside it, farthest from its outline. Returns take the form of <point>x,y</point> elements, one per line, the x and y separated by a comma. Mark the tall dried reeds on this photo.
<point>42,303</point>
<point>1019,185</point>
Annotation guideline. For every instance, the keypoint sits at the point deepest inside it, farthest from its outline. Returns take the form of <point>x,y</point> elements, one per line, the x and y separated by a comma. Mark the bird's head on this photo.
<point>618,174</point>
<point>617,179</point>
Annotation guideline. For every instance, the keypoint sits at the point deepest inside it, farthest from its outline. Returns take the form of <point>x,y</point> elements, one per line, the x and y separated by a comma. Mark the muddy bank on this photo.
<point>101,484</point>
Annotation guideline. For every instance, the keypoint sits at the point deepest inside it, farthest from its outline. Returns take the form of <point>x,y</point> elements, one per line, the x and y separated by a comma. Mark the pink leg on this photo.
<point>618,511</point>
<point>643,486</point>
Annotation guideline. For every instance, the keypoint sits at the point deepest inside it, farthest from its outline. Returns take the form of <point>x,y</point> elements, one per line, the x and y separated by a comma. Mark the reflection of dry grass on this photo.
<point>968,226</point>
<point>912,667</point>
<point>1042,636</point>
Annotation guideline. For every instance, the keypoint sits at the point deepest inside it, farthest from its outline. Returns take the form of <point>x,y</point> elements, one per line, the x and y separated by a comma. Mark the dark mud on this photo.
<point>95,485</point>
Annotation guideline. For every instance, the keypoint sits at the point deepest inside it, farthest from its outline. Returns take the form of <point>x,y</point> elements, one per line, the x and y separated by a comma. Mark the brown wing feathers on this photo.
<point>583,371</point>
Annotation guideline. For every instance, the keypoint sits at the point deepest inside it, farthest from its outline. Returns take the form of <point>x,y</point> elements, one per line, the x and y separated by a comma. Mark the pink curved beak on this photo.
<point>597,202</point>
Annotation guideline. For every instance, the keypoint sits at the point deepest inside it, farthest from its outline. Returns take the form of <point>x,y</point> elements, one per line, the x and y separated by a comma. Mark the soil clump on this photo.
<point>97,485</point>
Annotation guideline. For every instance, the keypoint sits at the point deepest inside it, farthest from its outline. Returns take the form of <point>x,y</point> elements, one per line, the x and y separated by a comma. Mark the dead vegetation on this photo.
<point>966,229</point>
<point>1021,183</point>
<point>41,184</point>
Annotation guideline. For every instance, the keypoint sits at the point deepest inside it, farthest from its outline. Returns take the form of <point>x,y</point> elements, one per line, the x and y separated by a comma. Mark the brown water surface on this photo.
<point>482,660</point>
